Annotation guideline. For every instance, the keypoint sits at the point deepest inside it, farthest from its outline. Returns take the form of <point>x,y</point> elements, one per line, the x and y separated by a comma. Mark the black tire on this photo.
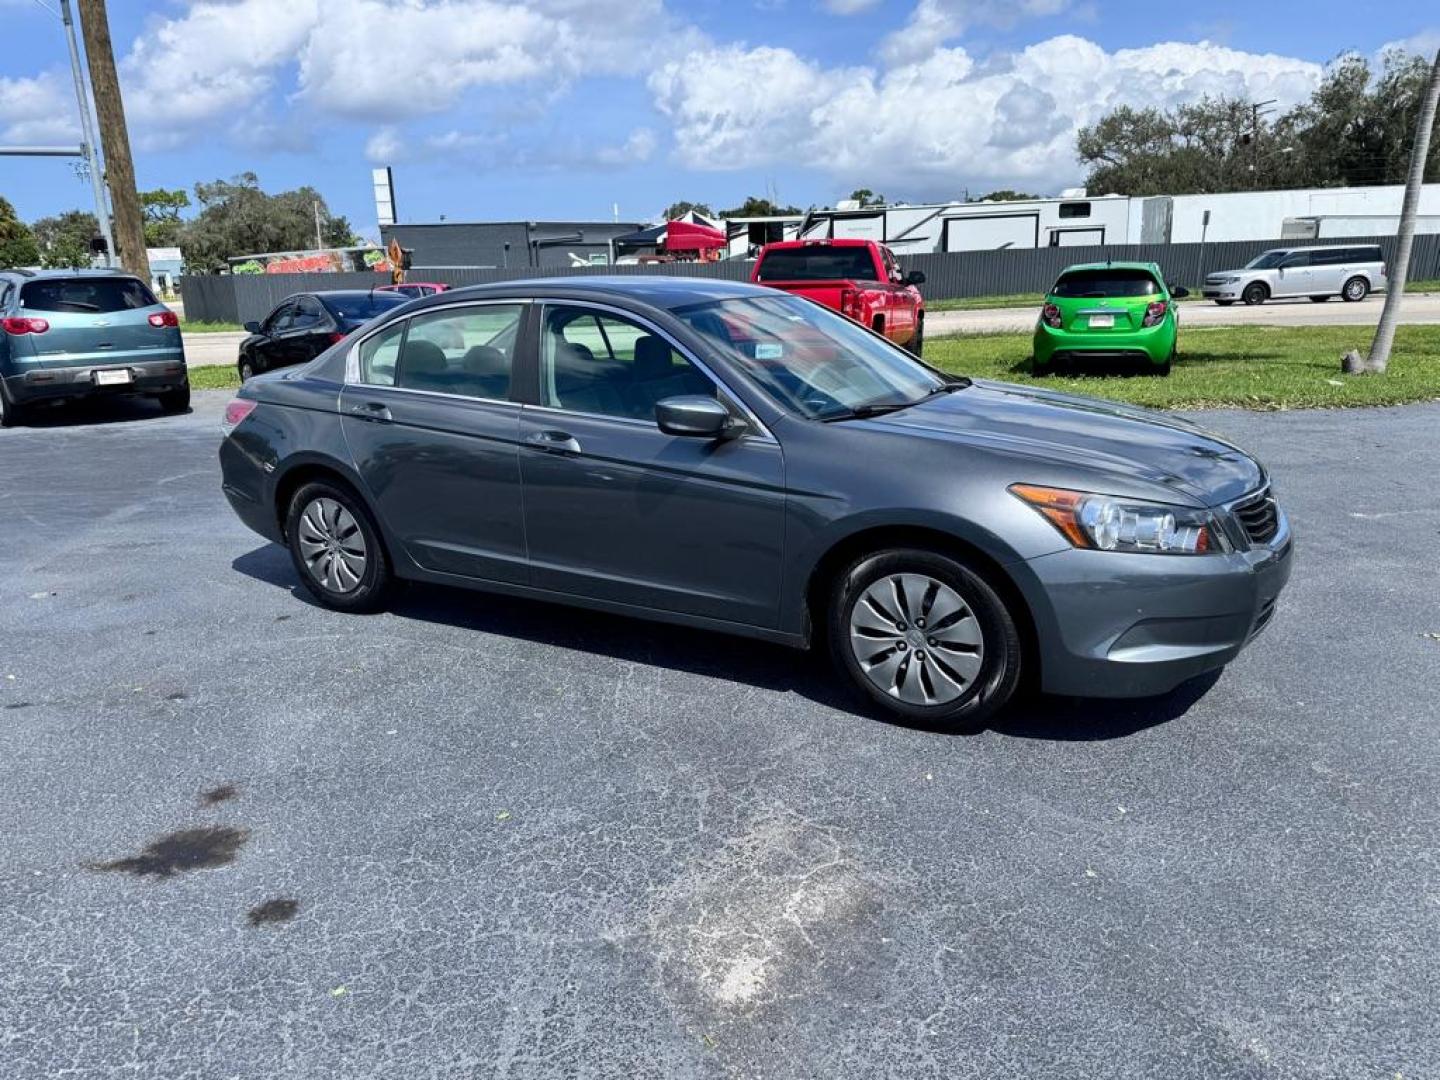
<point>1255,293</point>
<point>998,676</point>
<point>917,343</point>
<point>11,414</point>
<point>247,369</point>
<point>1039,370</point>
<point>175,401</point>
<point>1319,299</point>
<point>1355,290</point>
<point>375,580</point>
<point>1224,303</point>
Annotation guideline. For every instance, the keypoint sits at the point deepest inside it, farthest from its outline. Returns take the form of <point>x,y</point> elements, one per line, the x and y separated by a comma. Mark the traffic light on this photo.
<point>98,246</point>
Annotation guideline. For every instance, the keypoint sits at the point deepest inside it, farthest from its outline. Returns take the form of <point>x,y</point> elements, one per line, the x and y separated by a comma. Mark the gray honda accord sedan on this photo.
<point>735,458</point>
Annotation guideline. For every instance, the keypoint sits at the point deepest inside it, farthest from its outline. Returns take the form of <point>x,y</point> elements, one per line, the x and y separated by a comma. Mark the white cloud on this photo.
<point>384,146</point>
<point>38,110</point>
<point>848,7</point>
<point>934,22</point>
<point>933,125</point>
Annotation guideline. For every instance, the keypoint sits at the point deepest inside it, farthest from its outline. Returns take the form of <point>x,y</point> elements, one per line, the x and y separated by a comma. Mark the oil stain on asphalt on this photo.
<point>189,849</point>
<point>216,796</point>
<point>281,909</point>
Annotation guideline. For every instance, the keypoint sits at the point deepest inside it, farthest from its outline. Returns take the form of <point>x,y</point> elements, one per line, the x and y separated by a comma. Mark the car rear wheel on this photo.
<point>336,548</point>
<point>925,637</point>
<point>11,414</point>
<point>917,343</point>
<point>175,401</point>
<point>1255,293</point>
<point>1357,288</point>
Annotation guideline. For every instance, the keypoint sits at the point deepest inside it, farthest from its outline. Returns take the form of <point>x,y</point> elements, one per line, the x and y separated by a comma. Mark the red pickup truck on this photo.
<point>858,278</point>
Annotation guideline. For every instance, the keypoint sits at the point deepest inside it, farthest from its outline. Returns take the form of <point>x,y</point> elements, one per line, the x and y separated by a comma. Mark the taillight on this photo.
<point>850,303</point>
<point>19,325</point>
<point>235,414</point>
<point>164,318</point>
<point>1050,316</point>
<point>1154,312</point>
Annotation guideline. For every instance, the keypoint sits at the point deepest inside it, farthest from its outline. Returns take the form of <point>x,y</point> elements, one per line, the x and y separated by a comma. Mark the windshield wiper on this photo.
<point>863,412</point>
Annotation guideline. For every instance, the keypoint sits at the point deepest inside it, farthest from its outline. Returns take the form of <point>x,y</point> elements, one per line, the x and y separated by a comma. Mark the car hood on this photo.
<point>1085,433</point>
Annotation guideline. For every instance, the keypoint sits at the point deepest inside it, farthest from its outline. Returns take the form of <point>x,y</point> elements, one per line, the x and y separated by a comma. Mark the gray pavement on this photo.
<point>1417,308</point>
<point>247,837</point>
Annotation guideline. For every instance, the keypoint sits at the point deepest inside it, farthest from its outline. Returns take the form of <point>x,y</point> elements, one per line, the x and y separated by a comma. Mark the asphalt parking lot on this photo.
<point>486,837</point>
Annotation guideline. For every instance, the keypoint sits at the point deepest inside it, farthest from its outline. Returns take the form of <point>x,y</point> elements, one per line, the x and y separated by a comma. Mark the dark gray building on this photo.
<point>508,243</point>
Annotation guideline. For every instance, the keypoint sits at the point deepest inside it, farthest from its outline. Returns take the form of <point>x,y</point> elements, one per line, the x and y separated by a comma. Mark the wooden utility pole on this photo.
<point>114,139</point>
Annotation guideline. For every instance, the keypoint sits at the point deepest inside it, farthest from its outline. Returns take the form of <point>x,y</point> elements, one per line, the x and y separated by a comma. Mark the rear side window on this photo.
<point>818,264</point>
<point>86,295</point>
<point>1107,282</point>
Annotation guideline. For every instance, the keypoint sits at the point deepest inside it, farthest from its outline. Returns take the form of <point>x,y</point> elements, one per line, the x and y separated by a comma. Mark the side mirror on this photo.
<point>915,277</point>
<point>694,416</point>
<point>252,327</point>
<point>1179,292</point>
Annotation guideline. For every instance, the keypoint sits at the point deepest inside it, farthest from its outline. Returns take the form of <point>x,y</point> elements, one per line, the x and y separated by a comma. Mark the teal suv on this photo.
<point>85,333</point>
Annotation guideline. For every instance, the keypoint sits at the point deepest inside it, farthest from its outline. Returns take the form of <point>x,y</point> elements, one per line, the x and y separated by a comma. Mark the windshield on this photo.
<point>1267,261</point>
<point>89,295</point>
<point>1107,282</point>
<point>813,361</point>
<point>363,306</point>
<point>818,263</point>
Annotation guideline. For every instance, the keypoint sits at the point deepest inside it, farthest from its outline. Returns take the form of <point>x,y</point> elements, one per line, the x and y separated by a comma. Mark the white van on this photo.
<point>1353,271</point>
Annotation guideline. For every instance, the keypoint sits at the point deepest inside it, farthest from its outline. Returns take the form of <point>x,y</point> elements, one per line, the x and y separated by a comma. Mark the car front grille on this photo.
<point>1258,516</point>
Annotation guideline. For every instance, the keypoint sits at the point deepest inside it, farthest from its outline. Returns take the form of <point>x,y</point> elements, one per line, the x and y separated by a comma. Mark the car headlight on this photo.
<point>1108,523</point>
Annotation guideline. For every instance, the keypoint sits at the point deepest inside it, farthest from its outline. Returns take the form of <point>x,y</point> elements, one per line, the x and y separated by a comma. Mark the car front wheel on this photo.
<point>336,548</point>
<point>1255,293</point>
<point>924,636</point>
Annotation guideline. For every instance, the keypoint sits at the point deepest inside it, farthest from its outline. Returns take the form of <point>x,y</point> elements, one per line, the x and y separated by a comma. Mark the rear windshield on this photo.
<point>86,295</point>
<point>1108,282</point>
<point>362,307</point>
<point>818,264</point>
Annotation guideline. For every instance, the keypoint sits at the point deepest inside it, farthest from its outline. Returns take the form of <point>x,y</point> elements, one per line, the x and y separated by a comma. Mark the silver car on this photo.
<point>1352,271</point>
<point>67,334</point>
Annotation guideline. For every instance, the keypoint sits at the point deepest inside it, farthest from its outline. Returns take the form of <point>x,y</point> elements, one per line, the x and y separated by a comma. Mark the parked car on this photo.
<point>416,289</point>
<point>1108,312</point>
<point>1353,271</point>
<point>71,334</point>
<point>858,278</point>
<point>724,456</point>
<point>301,327</point>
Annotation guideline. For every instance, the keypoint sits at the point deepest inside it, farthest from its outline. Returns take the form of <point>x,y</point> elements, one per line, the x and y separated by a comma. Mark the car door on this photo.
<point>311,332</point>
<point>432,431</point>
<point>900,310</point>
<point>269,350</point>
<point>1296,273</point>
<point>615,509</point>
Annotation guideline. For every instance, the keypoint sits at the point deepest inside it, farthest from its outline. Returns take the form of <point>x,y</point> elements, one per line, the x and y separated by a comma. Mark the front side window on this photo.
<point>86,295</point>
<point>307,314</point>
<point>1267,261</point>
<point>811,360</point>
<point>1109,282</point>
<point>282,318</point>
<point>468,351</point>
<point>605,364</point>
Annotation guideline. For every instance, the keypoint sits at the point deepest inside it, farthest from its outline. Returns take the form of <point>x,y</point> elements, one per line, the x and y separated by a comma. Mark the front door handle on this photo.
<point>553,442</point>
<point>372,410</point>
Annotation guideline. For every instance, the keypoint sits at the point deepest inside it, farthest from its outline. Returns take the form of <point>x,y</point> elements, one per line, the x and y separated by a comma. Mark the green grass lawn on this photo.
<point>1249,367</point>
<point>209,327</point>
<point>971,303</point>
<point>214,377</point>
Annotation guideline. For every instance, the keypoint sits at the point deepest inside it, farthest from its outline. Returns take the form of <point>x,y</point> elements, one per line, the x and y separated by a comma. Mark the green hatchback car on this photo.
<point>1107,313</point>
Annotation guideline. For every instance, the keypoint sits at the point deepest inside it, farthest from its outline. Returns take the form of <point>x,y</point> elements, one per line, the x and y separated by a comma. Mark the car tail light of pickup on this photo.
<point>164,318</point>
<point>851,304</point>
<point>1050,316</point>
<point>19,325</point>
<point>1154,312</point>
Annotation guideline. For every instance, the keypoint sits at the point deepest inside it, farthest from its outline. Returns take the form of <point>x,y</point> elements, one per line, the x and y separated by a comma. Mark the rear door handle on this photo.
<point>553,442</point>
<point>372,410</point>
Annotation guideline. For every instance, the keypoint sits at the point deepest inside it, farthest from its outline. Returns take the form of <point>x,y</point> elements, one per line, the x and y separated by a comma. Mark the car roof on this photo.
<point>1153,268</point>
<point>657,290</point>
<point>1324,247</point>
<point>51,275</point>
<point>844,241</point>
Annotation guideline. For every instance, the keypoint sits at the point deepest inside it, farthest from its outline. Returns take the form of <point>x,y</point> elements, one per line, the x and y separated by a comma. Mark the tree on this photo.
<point>754,206</point>
<point>1004,195</point>
<point>237,218</point>
<point>865,197</point>
<point>681,208</point>
<point>17,242</point>
<point>161,208</point>
<point>64,239</point>
<point>1379,357</point>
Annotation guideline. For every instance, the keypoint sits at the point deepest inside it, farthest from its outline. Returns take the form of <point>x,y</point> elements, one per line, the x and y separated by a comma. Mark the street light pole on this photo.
<point>87,128</point>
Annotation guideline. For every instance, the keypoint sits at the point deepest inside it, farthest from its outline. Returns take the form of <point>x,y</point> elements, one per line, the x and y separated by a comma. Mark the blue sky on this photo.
<point>495,109</point>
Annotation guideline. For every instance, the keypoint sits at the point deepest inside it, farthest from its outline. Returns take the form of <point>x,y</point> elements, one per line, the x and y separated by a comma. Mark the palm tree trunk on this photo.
<point>1400,269</point>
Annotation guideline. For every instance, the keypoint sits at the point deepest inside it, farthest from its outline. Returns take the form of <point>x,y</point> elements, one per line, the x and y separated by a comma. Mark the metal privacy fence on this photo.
<point>241,297</point>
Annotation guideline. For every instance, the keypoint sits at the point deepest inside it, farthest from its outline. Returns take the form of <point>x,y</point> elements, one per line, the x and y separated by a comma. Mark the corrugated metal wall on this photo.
<point>240,297</point>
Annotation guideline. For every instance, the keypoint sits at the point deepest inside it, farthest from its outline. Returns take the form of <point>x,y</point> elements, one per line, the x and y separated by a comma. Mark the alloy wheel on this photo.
<point>332,545</point>
<point>916,639</point>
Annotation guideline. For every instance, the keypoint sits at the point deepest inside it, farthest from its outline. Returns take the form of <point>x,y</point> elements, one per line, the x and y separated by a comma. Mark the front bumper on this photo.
<point>1151,343</point>
<point>1126,625</point>
<point>80,380</point>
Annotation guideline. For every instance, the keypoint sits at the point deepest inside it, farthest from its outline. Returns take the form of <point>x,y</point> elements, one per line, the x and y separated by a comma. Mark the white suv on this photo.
<point>1353,272</point>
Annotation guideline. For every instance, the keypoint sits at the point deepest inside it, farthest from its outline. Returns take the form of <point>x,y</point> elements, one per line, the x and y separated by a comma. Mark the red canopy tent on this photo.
<point>683,236</point>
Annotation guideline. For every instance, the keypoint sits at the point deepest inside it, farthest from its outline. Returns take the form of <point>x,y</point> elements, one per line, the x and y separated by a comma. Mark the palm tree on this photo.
<point>1385,333</point>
